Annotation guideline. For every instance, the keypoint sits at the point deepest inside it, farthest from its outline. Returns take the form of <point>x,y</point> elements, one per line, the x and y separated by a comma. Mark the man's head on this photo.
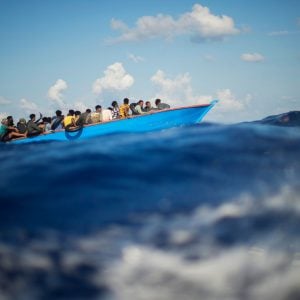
<point>58,113</point>
<point>114,104</point>
<point>10,121</point>
<point>157,101</point>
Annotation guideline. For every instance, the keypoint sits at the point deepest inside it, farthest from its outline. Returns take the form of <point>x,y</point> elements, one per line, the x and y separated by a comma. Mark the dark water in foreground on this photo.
<point>204,212</point>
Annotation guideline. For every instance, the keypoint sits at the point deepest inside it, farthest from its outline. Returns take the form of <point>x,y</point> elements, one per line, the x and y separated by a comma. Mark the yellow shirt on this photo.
<point>68,120</point>
<point>124,110</point>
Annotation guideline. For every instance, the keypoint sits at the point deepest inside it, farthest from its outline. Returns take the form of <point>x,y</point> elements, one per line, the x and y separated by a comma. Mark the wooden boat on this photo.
<point>153,121</point>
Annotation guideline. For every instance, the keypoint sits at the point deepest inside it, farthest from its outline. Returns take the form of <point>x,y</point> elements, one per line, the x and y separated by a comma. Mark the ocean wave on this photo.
<point>208,211</point>
<point>290,119</point>
<point>232,251</point>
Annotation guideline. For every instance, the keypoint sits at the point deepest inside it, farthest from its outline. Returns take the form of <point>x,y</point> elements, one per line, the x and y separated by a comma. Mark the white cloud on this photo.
<point>179,91</point>
<point>80,106</point>
<point>135,58</point>
<point>29,107</point>
<point>278,33</point>
<point>230,108</point>
<point>115,78</point>
<point>206,25</point>
<point>4,101</point>
<point>55,92</point>
<point>200,23</point>
<point>209,57</point>
<point>118,25</point>
<point>228,101</point>
<point>290,99</point>
<point>252,57</point>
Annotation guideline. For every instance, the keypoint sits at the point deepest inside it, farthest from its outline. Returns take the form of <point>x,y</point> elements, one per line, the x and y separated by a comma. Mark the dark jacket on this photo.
<point>161,106</point>
<point>33,128</point>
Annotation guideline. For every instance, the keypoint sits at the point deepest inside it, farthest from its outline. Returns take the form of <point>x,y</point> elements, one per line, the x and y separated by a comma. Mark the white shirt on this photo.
<point>106,115</point>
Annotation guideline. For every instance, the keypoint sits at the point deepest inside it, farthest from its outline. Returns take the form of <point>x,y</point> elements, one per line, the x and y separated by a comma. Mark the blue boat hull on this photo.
<point>157,120</point>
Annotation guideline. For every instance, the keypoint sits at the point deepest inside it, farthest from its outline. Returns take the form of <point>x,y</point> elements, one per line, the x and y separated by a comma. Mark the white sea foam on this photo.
<point>175,257</point>
<point>286,200</point>
<point>257,271</point>
<point>145,273</point>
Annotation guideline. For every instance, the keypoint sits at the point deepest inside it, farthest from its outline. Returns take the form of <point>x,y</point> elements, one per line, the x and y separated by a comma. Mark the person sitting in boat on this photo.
<point>69,120</point>
<point>115,110</point>
<point>22,126</point>
<point>11,125</point>
<point>77,116</point>
<point>96,115</point>
<point>132,108</point>
<point>148,106</point>
<point>47,124</point>
<point>106,114</point>
<point>139,108</point>
<point>124,109</point>
<point>56,122</point>
<point>32,128</point>
<point>8,132</point>
<point>10,121</point>
<point>85,118</point>
<point>160,105</point>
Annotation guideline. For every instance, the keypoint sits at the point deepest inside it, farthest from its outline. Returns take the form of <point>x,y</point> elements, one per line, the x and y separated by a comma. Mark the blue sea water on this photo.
<point>209,211</point>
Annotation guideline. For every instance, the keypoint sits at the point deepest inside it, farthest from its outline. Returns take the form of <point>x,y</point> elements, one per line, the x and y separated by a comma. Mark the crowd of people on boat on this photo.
<point>74,119</point>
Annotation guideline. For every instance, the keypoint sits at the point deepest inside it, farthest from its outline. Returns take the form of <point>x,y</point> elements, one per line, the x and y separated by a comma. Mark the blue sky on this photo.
<point>79,53</point>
